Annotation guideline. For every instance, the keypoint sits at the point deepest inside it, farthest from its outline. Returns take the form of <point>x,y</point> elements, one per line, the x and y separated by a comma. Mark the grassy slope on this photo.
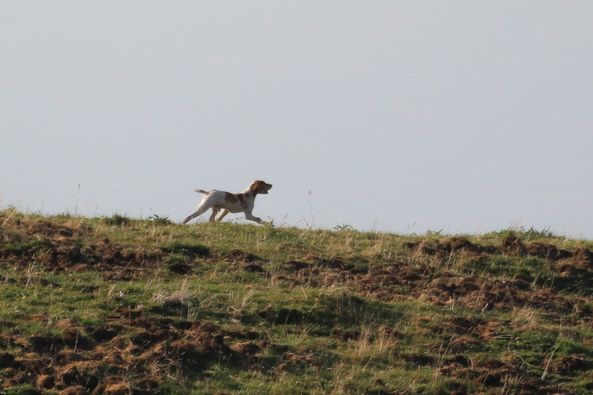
<point>121,306</point>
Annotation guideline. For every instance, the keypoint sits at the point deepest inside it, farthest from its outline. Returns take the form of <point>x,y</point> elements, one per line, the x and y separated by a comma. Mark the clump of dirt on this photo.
<point>242,257</point>
<point>116,389</point>
<point>52,230</point>
<point>74,390</point>
<point>297,360</point>
<point>333,263</point>
<point>513,245</point>
<point>179,268</point>
<point>448,246</point>
<point>346,334</point>
<point>295,266</point>
<point>53,343</point>
<point>246,261</point>
<point>254,268</point>
<point>201,348</point>
<point>188,250</point>
<point>7,360</point>
<point>420,359</point>
<point>247,347</point>
<point>488,373</point>
<point>459,325</point>
<point>577,270</point>
<point>572,364</point>
<point>546,251</point>
<point>583,257</point>
<point>45,381</point>
<point>459,360</point>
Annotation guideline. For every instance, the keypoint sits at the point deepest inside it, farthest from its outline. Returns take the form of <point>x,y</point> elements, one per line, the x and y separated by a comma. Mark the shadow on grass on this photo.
<point>329,311</point>
<point>579,281</point>
<point>190,250</point>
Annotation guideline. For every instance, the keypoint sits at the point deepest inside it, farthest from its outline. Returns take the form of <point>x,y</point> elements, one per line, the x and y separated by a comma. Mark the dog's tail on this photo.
<point>201,191</point>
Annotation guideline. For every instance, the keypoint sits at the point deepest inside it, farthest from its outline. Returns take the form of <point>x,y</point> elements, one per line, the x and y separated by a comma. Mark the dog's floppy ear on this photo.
<point>257,186</point>
<point>253,186</point>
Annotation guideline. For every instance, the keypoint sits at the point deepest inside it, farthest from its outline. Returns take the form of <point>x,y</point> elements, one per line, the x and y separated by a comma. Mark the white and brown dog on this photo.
<point>230,202</point>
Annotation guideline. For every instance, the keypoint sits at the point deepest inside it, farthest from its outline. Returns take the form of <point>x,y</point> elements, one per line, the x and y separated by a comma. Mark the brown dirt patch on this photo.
<point>242,256</point>
<point>448,246</point>
<point>578,265</point>
<point>425,281</point>
<point>572,364</point>
<point>129,345</point>
<point>546,251</point>
<point>512,245</point>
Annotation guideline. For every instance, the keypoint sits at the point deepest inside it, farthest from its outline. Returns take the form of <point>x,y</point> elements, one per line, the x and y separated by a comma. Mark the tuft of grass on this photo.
<point>24,247</point>
<point>159,220</point>
<point>117,220</point>
<point>526,234</point>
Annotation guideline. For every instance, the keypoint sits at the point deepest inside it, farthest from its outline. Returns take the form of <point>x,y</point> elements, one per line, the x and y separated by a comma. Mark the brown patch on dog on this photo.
<point>230,198</point>
<point>241,199</point>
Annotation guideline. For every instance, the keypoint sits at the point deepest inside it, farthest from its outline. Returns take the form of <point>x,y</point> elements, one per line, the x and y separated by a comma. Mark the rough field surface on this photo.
<point>121,306</point>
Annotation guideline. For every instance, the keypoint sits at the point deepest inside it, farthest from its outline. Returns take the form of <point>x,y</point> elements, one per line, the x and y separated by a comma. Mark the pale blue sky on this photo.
<point>400,116</point>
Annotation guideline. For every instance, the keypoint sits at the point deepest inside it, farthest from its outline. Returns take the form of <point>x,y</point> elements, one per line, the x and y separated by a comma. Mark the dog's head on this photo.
<point>260,186</point>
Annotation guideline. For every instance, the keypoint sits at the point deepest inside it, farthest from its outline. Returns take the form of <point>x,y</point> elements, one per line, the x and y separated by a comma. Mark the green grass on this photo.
<point>361,313</point>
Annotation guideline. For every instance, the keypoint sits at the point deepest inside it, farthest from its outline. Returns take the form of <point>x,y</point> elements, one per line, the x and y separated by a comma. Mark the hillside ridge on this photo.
<point>117,305</point>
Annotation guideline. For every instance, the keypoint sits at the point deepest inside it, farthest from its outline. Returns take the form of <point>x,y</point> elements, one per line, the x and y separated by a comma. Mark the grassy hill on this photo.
<point>117,306</point>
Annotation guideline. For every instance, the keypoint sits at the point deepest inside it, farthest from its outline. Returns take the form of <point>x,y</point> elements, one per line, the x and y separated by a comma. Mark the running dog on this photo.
<point>230,202</point>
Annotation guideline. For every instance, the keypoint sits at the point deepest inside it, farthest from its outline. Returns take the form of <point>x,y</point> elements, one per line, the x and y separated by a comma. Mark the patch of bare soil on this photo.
<point>546,251</point>
<point>242,257</point>
<point>424,280</point>
<point>581,260</point>
<point>513,245</point>
<point>246,261</point>
<point>291,361</point>
<point>449,246</point>
<point>510,245</point>
<point>59,248</point>
<point>131,353</point>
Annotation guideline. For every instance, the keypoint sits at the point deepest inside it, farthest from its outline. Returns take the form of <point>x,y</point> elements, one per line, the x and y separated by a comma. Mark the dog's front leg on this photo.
<point>251,217</point>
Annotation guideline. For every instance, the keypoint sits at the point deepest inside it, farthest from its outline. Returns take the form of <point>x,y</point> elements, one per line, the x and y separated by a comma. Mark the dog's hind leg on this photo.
<point>201,210</point>
<point>213,215</point>
<point>224,213</point>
